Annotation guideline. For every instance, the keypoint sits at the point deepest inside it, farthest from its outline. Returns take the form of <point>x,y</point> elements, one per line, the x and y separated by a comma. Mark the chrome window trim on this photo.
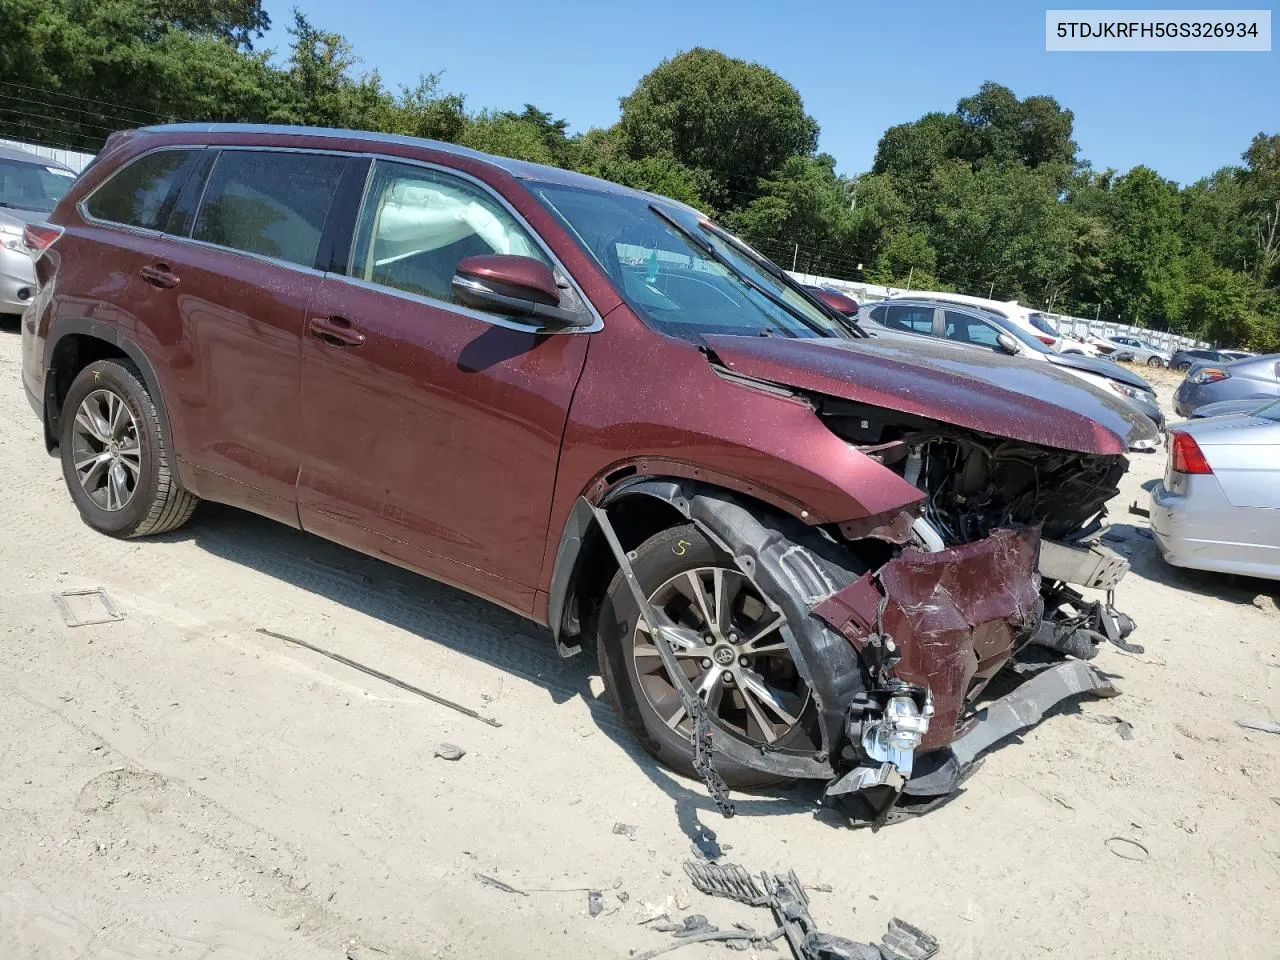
<point>597,322</point>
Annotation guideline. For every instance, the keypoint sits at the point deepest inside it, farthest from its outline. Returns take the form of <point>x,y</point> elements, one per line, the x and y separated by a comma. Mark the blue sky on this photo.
<point>860,67</point>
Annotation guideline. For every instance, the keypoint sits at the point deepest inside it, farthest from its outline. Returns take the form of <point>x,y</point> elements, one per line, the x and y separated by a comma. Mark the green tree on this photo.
<point>737,121</point>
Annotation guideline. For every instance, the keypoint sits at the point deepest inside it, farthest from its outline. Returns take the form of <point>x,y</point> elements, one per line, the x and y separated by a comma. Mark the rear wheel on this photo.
<point>115,458</point>
<point>1154,362</point>
<point>728,643</point>
<point>1183,367</point>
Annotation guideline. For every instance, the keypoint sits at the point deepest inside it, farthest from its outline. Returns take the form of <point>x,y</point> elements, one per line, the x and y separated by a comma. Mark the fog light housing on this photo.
<point>904,725</point>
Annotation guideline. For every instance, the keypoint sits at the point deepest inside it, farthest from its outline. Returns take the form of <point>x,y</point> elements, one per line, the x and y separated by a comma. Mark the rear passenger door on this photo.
<point>431,432</point>
<point>910,318</point>
<point>228,300</point>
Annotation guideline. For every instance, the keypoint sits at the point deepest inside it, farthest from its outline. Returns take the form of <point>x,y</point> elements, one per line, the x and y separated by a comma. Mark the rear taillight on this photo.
<point>1186,455</point>
<point>39,237</point>
<point>1048,341</point>
<point>1209,375</point>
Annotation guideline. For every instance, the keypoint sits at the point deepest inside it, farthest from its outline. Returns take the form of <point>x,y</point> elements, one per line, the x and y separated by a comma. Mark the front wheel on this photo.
<point>729,645</point>
<point>1183,367</point>
<point>1154,362</point>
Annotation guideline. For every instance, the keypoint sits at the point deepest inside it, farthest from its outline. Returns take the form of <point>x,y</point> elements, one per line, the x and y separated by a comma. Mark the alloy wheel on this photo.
<point>729,644</point>
<point>106,450</point>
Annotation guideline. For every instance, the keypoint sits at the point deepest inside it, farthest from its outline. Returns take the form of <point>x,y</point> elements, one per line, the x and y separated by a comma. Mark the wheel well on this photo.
<point>635,519</point>
<point>71,354</point>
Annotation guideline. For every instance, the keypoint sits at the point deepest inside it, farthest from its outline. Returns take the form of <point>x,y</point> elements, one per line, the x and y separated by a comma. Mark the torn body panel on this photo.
<point>944,621</point>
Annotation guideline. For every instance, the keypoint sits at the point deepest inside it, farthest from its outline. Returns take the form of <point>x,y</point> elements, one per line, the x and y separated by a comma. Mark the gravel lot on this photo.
<point>178,785</point>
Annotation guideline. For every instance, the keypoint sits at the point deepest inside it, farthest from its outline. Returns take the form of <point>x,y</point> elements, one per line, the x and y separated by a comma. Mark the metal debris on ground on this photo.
<point>1266,726</point>
<point>84,608</point>
<point>624,829</point>
<point>499,885</point>
<point>1125,729</point>
<point>447,751</point>
<point>595,902</point>
<point>784,895</point>
<point>385,678</point>
<point>1138,511</point>
<point>1126,848</point>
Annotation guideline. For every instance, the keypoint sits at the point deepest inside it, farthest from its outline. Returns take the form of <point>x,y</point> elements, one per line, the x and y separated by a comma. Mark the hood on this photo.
<point>1101,366</point>
<point>953,384</point>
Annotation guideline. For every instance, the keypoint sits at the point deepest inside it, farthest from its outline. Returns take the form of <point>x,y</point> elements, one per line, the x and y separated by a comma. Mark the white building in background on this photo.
<point>69,158</point>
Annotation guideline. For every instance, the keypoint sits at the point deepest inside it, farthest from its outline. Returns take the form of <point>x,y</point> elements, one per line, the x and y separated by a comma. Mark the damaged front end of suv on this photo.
<point>899,622</point>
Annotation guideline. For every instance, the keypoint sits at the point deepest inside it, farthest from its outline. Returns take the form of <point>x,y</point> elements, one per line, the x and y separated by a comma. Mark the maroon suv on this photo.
<point>797,552</point>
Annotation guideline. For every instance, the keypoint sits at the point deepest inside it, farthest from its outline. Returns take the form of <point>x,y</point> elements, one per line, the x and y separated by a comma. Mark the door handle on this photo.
<point>159,275</point>
<point>337,331</point>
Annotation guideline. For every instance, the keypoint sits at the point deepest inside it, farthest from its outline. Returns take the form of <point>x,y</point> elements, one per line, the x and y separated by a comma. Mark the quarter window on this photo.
<point>141,193</point>
<point>416,224</point>
<point>268,202</point>
<point>911,319</point>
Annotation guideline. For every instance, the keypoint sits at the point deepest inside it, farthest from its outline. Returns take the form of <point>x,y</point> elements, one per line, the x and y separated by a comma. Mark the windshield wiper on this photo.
<point>705,245</point>
<point>775,271</point>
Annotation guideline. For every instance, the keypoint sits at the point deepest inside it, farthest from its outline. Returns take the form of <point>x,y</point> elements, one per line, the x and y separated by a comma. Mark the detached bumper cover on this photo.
<point>945,621</point>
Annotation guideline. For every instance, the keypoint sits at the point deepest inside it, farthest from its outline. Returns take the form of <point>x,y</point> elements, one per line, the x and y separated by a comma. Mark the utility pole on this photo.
<point>910,274</point>
<point>794,257</point>
<point>1097,312</point>
<point>992,290</point>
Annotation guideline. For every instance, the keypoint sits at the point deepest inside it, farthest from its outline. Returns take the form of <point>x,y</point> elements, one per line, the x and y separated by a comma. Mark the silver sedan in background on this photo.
<point>1218,506</point>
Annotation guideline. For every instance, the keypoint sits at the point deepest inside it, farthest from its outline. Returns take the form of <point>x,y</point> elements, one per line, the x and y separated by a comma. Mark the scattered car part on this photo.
<point>489,881</point>
<point>785,896</point>
<point>386,678</point>
<point>595,902</point>
<point>1264,726</point>
<point>83,608</point>
<point>447,751</point>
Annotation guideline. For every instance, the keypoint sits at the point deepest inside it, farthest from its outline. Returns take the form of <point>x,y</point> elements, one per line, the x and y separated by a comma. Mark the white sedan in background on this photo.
<point>1218,506</point>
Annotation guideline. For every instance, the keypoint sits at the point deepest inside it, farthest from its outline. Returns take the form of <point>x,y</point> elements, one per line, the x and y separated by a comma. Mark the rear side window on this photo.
<point>417,224</point>
<point>141,193</point>
<point>270,203</point>
<point>912,319</point>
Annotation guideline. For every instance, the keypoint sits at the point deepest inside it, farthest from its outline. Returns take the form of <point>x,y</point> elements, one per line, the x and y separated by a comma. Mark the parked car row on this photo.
<point>797,550</point>
<point>963,322</point>
<point>29,188</point>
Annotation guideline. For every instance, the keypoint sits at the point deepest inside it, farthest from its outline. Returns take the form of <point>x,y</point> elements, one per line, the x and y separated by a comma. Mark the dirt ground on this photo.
<point>178,785</point>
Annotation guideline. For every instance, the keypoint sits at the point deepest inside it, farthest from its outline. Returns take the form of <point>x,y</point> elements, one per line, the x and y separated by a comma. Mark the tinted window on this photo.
<point>913,319</point>
<point>417,224</point>
<point>1043,325</point>
<point>269,203</point>
<point>877,314</point>
<point>141,193</point>
<point>968,329</point>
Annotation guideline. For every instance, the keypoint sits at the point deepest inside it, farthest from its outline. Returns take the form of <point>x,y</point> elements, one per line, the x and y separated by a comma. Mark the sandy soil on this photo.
<point>178,785</point>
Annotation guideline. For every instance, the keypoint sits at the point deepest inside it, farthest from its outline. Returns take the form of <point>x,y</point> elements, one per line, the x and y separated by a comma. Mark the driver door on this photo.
<point>430,431</point>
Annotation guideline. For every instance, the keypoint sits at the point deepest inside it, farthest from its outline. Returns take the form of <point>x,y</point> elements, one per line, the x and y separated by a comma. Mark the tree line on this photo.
<point>992,197</point>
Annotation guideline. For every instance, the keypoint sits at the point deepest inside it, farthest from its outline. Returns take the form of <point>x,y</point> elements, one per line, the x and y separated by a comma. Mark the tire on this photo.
<point>1154,362</point>
<point>659,560</point>
<point>140,456</point>
<point>1183,367</point>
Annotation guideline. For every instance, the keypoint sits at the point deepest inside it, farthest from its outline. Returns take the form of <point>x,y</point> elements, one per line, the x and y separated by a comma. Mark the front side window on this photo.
<point>142,192</point>
<point>680,274</point>
<point>31,185</point>
<point>967,329</point>
<point>271,203</point>
<point>913,319</point>
<point>417,224</point>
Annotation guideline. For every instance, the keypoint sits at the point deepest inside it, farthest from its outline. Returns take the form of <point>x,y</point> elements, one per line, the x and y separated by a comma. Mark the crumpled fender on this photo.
<point>947,621</point>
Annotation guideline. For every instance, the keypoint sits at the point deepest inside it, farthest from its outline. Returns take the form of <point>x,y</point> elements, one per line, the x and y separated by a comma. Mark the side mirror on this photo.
<point>1008,344</point>
<point>516,286</point>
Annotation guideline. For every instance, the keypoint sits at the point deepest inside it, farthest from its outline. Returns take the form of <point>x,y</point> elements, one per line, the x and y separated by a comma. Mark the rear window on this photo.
<point>1043,325</point>
<point>270,203</point>
<point>141,193</point>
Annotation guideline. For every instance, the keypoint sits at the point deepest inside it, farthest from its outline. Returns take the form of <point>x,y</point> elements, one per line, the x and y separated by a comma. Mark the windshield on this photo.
<point>682,279</point>
<point>30,185</point>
